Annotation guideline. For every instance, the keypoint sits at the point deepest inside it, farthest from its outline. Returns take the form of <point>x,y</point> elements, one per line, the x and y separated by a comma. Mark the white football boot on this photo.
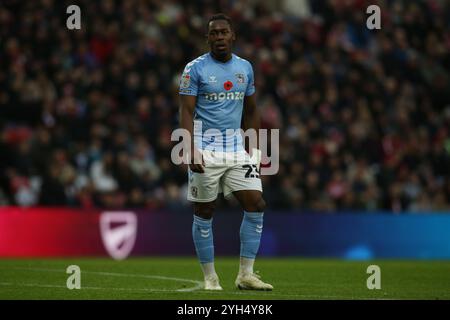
<point>212,282</point>
<point>251,281</point>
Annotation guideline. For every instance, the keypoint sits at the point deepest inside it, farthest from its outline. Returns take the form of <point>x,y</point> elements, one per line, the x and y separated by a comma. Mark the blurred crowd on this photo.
<point>364,115</point>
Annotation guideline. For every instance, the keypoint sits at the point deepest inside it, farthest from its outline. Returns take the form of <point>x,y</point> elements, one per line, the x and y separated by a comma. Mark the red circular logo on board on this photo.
<point>228,85</point>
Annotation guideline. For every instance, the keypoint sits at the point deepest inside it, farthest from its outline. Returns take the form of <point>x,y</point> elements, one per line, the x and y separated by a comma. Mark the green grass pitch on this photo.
<point>181,279</point>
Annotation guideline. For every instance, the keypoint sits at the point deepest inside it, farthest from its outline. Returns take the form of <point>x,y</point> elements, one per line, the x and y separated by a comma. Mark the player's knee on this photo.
<point>257,205</point>
<point>204,214</point>
<point>260,205</point>
<point>204,211</point>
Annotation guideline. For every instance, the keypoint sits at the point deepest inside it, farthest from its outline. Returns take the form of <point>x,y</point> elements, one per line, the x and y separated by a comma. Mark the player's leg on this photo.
<point>202,191</point>
<point>251,227</point>
<point>202,233</point>
<point>244,183</point>
<point>253,205</point>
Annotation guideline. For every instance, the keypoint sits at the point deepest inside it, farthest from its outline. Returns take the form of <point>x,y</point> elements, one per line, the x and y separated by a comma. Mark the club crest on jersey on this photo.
<point>240,77</point>
<point>185,81</point>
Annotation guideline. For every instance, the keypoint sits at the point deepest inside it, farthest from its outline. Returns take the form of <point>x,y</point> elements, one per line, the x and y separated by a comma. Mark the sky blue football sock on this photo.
<point>251,229</point>
<point>203,239</point>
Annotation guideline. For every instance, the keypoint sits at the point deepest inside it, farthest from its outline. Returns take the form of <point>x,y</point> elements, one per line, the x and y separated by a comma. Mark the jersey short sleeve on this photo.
<point>189,80</point>
<point>251,81</point>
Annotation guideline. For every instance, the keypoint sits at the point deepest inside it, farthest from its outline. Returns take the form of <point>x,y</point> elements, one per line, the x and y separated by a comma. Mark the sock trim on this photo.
<point>202,219</point>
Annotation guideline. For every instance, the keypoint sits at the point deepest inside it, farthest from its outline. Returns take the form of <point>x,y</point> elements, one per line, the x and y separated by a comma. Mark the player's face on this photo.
<point>220,38</point>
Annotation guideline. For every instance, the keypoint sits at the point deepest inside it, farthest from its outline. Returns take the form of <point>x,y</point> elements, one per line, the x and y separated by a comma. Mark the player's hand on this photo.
<point>256,154</point>
<point>197,163</point>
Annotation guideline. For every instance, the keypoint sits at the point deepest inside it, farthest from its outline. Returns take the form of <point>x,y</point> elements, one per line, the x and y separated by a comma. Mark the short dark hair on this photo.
<point>219,16</point>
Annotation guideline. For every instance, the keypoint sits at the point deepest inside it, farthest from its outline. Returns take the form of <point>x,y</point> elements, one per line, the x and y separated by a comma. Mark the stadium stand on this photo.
<point>364,115</point>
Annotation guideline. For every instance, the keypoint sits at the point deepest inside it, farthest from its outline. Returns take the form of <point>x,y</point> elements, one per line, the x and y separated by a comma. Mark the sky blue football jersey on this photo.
<point>220,89</point>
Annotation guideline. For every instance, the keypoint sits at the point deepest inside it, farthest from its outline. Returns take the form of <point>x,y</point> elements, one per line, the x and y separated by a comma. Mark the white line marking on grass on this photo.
<point>10,284</point>
<point>198,284</point>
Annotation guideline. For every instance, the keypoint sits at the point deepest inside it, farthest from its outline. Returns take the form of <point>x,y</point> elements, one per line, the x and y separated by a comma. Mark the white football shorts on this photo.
<point>225,172</point>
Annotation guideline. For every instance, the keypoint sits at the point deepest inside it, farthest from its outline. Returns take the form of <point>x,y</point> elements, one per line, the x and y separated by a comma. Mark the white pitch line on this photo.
<point>10,284</point>
<point>198,284</point>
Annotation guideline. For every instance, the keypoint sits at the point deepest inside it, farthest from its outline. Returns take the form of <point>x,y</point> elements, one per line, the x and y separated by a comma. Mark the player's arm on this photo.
<point>251,117</point>
<point>251,120</point>
<point>187,107</point>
